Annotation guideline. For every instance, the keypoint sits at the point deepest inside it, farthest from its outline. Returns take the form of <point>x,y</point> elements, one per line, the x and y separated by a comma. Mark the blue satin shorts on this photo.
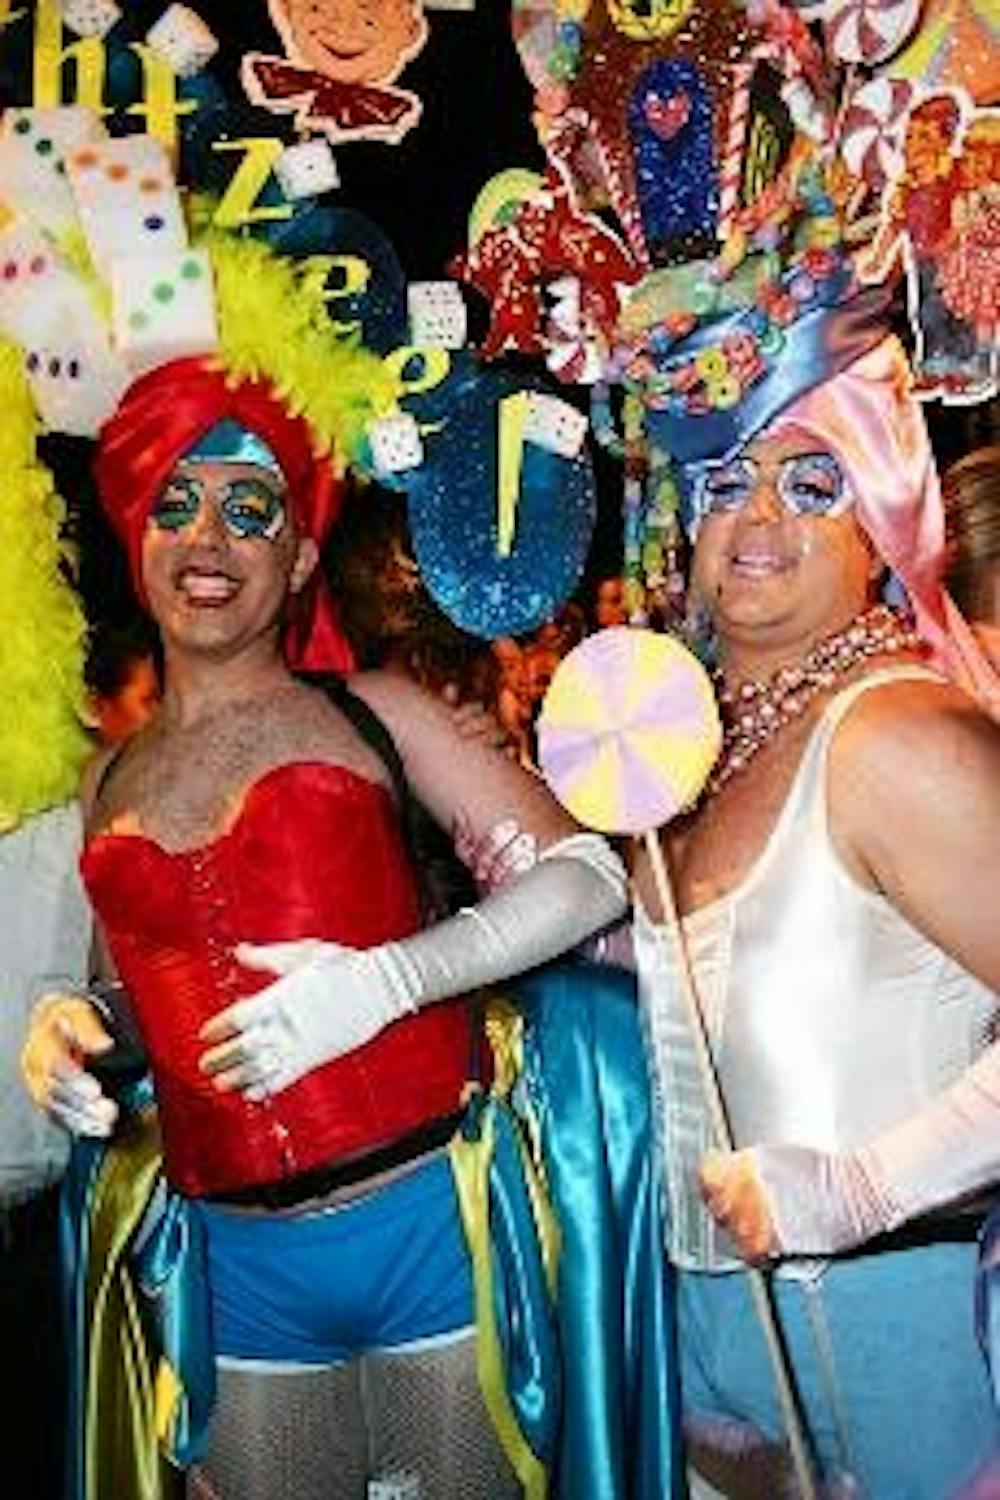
<point>384,1270</point>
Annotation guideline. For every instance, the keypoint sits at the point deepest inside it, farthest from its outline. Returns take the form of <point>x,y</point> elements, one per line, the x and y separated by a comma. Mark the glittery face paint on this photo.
<point>807,484</point>
<point>251,506</point>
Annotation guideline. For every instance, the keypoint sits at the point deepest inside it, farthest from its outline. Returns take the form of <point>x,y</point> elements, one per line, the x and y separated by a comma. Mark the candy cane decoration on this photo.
<point>804,109</point>
<point>620,178</point>
<point>872,129</point>
<point>733,151</point>
<point>869,31</point>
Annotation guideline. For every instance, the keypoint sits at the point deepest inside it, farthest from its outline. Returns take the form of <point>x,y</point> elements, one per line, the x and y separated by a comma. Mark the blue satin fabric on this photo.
<point>525,1318</point>
<point>593,1380</point>
<point>229,442</point>
<point>988,1297</point>
<point>74,1228</point>
<point>170,1269</point>
<point>821,342</point>
<point>586,1075</point>
<point>166,1263</point>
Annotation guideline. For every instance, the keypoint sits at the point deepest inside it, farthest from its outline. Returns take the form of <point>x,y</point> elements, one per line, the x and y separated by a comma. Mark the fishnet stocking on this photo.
<point>416,1417</point>
<point>427,1418</point>
<point>298,1435</point>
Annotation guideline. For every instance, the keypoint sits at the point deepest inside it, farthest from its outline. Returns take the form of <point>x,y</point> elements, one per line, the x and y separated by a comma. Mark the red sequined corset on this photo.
<point>314,852</point>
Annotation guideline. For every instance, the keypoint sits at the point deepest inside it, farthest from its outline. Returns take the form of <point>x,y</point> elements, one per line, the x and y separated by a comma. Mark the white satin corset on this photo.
<point>830,1016</point>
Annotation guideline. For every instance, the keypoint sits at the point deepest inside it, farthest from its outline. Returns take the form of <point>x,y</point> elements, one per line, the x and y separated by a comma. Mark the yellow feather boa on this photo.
<point>42,628</point>
<point>274,322</point>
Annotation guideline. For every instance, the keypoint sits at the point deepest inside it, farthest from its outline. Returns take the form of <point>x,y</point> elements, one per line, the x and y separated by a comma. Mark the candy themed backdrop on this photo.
<point>734,193</point>
<point>475,117</point>
<point>473,194</point>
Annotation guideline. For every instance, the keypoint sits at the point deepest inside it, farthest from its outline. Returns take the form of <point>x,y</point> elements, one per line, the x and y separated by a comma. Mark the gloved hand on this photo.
<point>793,1200</point>
<point>330,999</point>
<point>64,1031</point>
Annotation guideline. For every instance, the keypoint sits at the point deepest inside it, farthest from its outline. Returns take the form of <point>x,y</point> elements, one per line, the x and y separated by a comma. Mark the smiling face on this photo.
<point>979,163</point>
<point>221,556</point>
<point>774,580</point>
<point>929,134</point>
<point>353,41</point>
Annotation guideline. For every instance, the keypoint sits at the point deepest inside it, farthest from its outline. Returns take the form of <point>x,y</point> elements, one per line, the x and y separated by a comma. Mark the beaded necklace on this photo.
<point>756,711</point>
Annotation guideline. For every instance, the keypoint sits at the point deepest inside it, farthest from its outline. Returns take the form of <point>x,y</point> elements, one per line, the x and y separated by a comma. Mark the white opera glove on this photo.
<point>330,999</point>
<point>65,1030</point>
<point>820,1202</point>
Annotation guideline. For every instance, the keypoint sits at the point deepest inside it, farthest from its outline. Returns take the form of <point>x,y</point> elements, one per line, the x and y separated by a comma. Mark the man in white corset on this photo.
<point>838,888</point>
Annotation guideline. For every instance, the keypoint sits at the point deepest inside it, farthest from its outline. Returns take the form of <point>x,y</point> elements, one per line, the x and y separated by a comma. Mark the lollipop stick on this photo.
<point>760,1289</point>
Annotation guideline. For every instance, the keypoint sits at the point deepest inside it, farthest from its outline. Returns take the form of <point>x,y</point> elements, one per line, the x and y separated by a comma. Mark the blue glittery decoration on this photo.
<point>675,178</point>
<point>380,308</point>
<point>432,407</point>
<point>453,512</point>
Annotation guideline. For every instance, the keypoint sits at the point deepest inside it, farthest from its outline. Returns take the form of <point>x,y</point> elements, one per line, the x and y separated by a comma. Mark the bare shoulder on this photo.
<point>112,771</point>
<point>109,764</point>
<point>462,782</point>
<point>92,777</point>
<point>401,703</point>
<point>909,754</point>
<point>902,731</point>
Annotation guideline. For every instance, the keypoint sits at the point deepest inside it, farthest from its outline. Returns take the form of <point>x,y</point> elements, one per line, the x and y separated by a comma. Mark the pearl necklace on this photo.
<point>756,711</point>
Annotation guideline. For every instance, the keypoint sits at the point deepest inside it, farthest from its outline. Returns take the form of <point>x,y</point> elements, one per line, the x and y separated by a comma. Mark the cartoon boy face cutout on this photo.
<point>341,59</point>
<point>355,41</point>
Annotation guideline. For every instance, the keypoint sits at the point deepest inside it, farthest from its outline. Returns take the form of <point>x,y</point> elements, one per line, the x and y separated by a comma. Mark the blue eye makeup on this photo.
<point>727,487</point>
<point>811,484</point>
<point>808,484</point>
<point>178,504</point>
<point>250,507</point>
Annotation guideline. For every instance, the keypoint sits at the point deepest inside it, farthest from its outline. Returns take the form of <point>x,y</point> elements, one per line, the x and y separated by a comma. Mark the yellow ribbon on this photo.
<point>512,413</point>
<point>470,1163</point>
<point>123,1392</point>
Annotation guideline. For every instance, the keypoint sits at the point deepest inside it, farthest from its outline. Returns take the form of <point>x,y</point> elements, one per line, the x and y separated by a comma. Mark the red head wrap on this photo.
<point>162,417</point>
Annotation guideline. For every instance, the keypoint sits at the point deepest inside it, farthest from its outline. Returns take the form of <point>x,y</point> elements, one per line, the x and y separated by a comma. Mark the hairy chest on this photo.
<point>184,788</point>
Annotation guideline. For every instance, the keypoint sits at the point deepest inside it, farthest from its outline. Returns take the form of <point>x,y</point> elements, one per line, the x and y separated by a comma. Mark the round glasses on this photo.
<point>249,507</point>
<point>807,484</point>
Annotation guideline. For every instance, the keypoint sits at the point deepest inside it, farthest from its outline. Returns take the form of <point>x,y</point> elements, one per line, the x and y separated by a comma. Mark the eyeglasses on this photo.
<point>807,484</point>
<point>249,507</point>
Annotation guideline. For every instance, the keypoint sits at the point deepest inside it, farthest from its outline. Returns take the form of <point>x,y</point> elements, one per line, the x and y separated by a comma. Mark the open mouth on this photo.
<point>760,564</point>
<point>206,588</point>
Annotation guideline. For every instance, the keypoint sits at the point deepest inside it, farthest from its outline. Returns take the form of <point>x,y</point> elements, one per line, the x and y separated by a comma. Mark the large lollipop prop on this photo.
<point>628,734</point>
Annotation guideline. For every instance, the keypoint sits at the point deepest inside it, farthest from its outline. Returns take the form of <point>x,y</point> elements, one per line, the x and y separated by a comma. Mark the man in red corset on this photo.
<point>309,1043</point>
